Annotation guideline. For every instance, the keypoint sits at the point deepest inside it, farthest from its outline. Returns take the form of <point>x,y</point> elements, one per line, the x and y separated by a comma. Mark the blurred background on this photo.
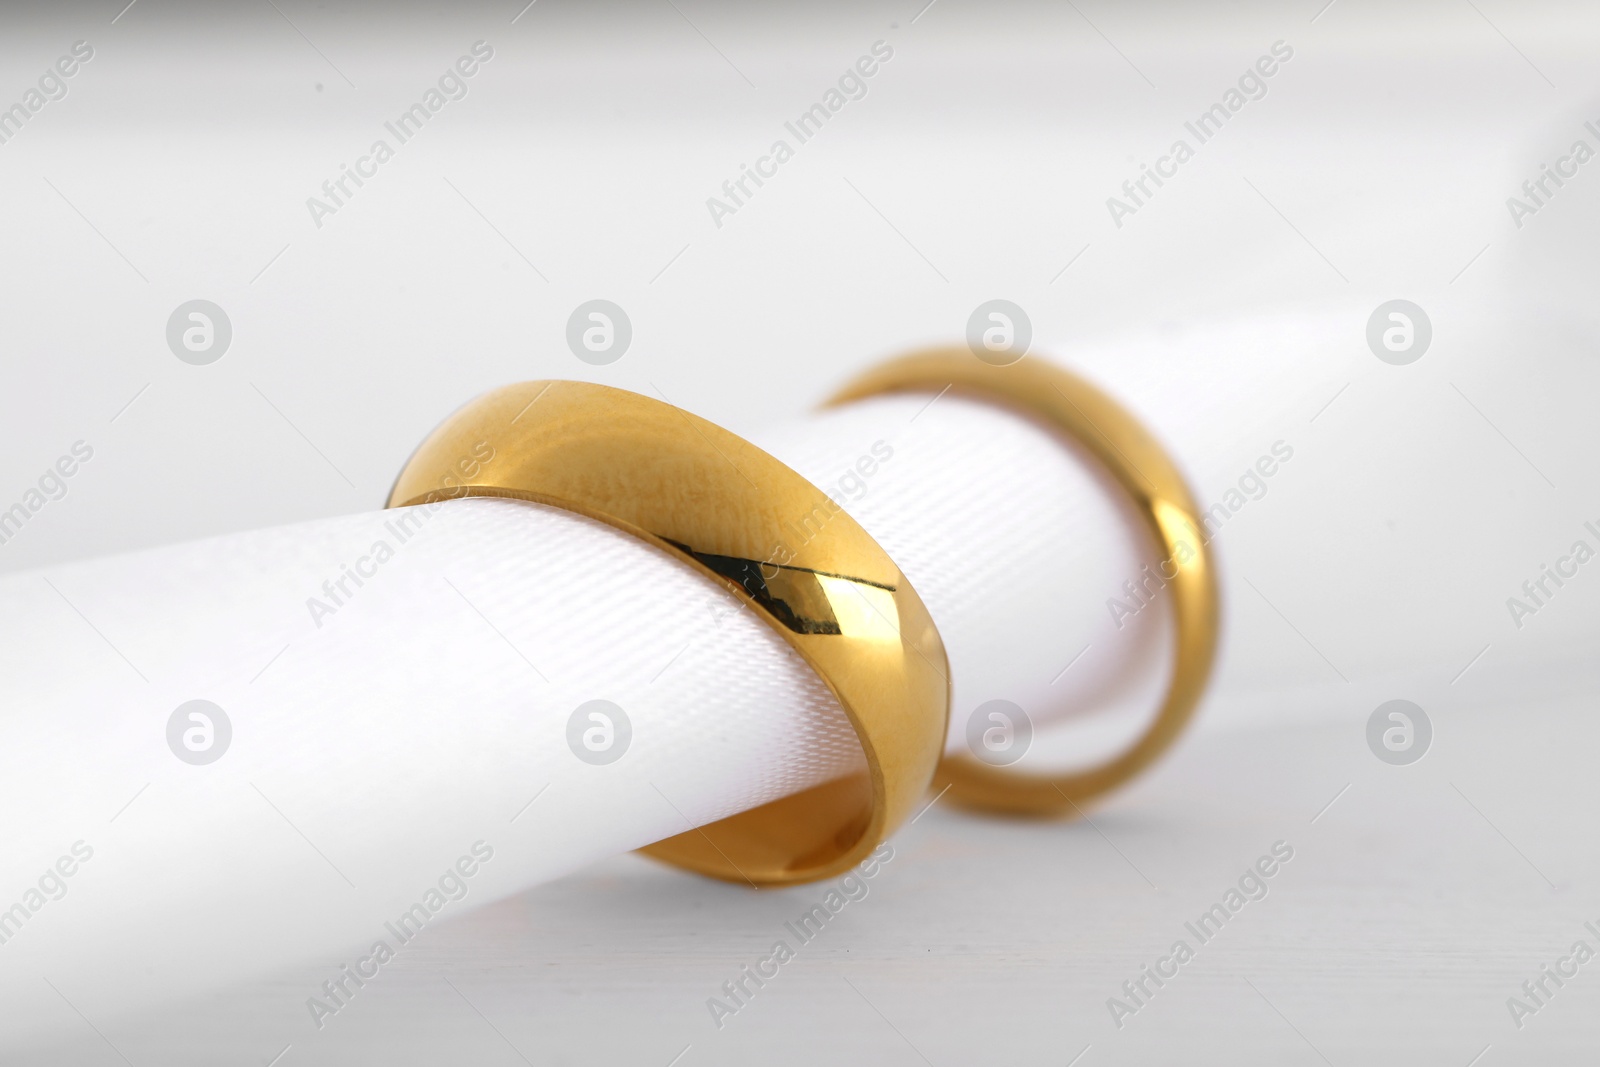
<point>1396,152</point>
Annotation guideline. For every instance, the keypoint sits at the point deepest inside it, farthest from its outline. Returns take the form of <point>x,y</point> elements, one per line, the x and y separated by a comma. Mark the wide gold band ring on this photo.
<point>742,518</point>
<point>1138,463</point>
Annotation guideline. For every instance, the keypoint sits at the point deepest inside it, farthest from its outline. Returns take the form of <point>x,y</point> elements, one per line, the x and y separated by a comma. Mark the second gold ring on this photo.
<point>1085,415</point>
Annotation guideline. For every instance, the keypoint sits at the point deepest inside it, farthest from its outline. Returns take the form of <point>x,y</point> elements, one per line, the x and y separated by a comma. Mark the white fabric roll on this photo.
<point>424,716</point>
<point>383,730</point>
<point>386,731</point>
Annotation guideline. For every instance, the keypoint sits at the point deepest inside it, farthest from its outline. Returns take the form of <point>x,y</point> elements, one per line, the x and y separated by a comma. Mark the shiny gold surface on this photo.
<point>1141,466</point>
<point>708,497</point>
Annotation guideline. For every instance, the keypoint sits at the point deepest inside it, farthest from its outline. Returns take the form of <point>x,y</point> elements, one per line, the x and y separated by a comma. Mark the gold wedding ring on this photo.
<point>742,518</point>
<point>1073,407</point>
